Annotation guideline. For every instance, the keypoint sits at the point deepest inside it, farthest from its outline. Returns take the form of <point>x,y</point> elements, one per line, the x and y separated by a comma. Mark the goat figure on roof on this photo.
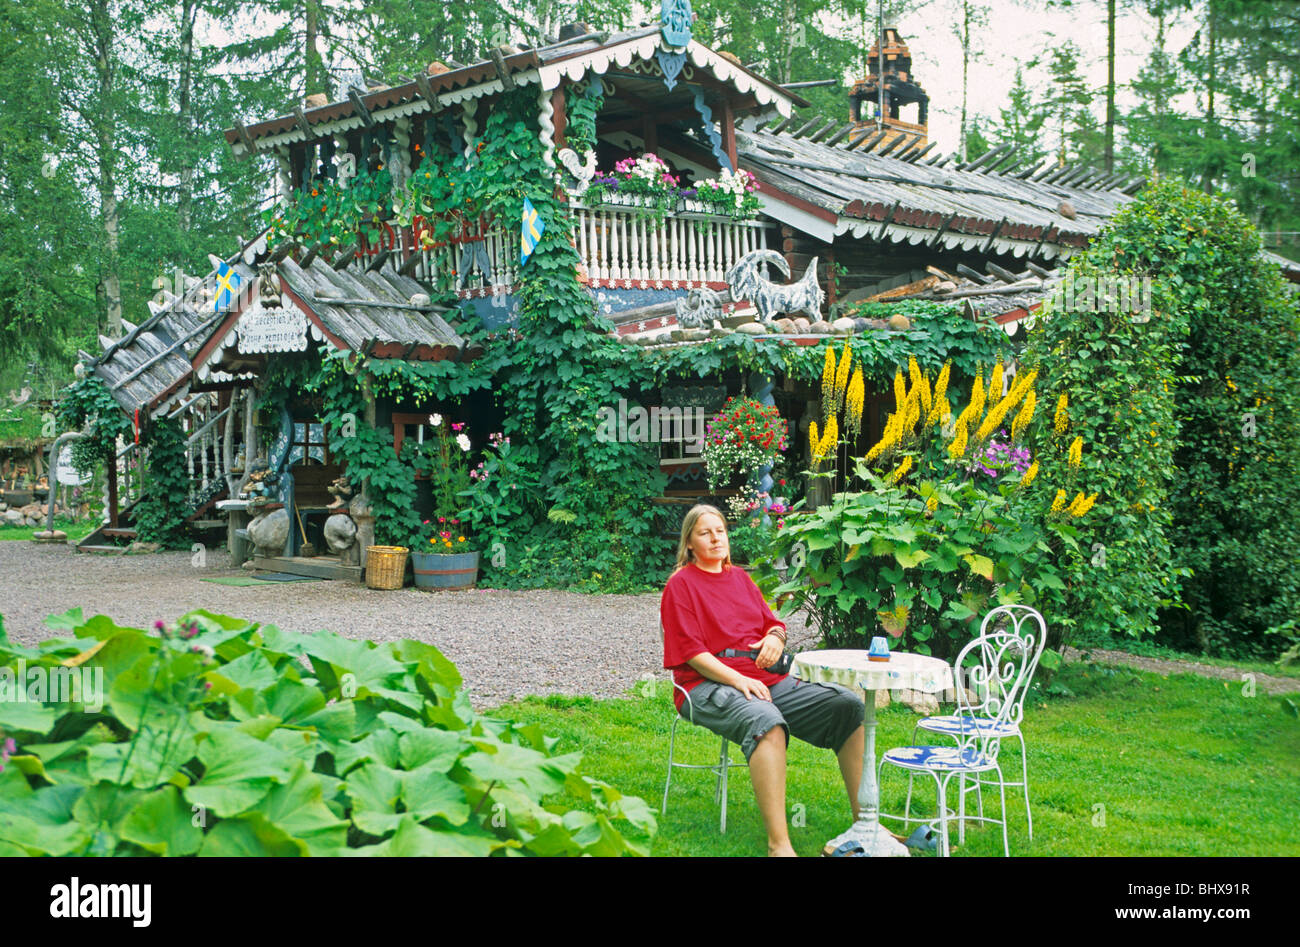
<point>772,299</point>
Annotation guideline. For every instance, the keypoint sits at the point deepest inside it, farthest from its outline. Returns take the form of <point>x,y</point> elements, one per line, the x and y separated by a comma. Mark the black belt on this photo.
<point>782,664</point>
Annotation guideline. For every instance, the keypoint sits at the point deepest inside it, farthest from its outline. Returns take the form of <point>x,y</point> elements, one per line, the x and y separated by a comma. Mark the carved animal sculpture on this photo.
<point>772,299</point>
<point>20,398</point>
<point>582,172</point>
<point>698,308</point>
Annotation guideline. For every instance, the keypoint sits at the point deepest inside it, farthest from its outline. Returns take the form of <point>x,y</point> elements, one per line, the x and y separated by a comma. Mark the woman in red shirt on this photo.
<point>711,610</point>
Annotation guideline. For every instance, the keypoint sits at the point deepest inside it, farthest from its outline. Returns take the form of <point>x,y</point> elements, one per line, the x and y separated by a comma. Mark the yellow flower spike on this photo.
<point>1025,415</point>
<point>1059,503</point>
<point>856,397</point>
<point>1024,384</point>
<point>995,383</point>
<point>1073,508</point>
<point>941,383</point>
<point>830,437</point>
<point>976,405</point>
<point>913,371</point>
<point>1061,421</point>
<point>900,390</point>
<point>957,448</point>
<point>842,375</point>
<point>926,400</point>
<point>814,441</point>
<point>1076,452</point>
<point>1082,506</point>
<point>901,470</point>
<point>932,504</point>
<point>1030,474</point>
<point>995,418</point>
<point>828,381</point>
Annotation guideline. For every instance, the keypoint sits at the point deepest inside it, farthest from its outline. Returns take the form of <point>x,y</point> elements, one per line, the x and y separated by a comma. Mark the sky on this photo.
<point>1018,31</point>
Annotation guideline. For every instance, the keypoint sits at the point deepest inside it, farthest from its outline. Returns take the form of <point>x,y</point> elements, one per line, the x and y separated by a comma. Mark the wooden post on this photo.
<point>650,133</point>
<point>112,488</point>
<point>559,118</point>
<point>728,122</point>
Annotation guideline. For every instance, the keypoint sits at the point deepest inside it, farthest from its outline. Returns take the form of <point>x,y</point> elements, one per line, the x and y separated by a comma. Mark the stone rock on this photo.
<point>1066,210</point>
<point>340,532</point>
<point>32,509</point>
<point>801,324</point>
<point>419,299</point>
<point>727,54</point>
<point>844,325</point>
<point>882,699</point>
<point>820,328</point>
<point>359,506</point>
<point>694,335</point>
<point>144,547</point>
<point>316,100</point>
<point>45,536</point>
<point>677,335</point>
<point>14,517</point>
<point>945,286</point>
<point>899,322</point>
<point>436,68</point>
<point>786,324</point>
<point>3,507</point>
<point>268,532</point>
<point>752,328</point>
<point>861,324</point>
<point>919,701</point>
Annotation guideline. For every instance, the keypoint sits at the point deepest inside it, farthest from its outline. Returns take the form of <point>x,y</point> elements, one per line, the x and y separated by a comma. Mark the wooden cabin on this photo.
<point>884,217</point>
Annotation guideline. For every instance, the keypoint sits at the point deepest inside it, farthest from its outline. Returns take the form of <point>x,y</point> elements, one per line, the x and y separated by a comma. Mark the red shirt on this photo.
<point>710,612</point>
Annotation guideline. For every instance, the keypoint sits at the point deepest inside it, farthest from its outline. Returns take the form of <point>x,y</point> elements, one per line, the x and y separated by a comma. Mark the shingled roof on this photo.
<point>960,207</point>
<point>547,66</point>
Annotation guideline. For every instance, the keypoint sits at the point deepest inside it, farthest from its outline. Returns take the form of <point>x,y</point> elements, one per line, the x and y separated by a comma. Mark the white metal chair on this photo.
<point>720,768</point>
<point>997,666</point>
<point>1028,625</point>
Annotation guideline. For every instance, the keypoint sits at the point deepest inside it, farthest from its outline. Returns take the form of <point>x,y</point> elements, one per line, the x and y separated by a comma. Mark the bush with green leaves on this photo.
<point>220,736</point>
<point>1190,415</point>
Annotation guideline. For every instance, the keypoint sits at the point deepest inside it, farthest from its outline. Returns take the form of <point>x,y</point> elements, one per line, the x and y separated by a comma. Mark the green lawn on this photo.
<point>1182,766</point>
<point>76,531</point>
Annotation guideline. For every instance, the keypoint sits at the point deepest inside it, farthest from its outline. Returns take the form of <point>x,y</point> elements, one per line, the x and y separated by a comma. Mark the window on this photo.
<point>309,444</point>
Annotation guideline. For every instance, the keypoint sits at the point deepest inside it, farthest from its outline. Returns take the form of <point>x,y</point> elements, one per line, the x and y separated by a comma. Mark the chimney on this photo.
<point>900,89</point>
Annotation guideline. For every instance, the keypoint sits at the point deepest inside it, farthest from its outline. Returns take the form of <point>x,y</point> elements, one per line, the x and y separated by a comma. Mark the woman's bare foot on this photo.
<point>781,851</point>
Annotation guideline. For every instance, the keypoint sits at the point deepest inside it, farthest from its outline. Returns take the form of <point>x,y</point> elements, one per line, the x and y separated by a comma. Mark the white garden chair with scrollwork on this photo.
<point>1027,624</point>
<point>996,666</point>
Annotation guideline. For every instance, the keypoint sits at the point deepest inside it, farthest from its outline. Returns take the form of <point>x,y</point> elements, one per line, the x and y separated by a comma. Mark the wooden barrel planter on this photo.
<point>457,570</point>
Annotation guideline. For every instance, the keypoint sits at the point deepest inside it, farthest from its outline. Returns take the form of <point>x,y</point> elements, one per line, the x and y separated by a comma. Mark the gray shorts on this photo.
<point>824,715</point>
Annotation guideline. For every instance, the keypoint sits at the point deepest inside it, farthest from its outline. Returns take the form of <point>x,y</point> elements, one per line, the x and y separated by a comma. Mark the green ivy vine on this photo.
<point>87,405</point>
<point>161,515</point>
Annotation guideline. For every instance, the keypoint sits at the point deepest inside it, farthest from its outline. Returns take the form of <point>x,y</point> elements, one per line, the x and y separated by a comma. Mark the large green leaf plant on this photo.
<point>219,736</point>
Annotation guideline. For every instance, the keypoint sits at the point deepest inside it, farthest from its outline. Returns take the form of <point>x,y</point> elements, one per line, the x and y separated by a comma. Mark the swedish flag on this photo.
<point>227,283</point>
<point>531,231</point>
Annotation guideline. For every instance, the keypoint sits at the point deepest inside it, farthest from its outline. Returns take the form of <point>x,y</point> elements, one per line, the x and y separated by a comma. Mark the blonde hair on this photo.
<point>684,553</point>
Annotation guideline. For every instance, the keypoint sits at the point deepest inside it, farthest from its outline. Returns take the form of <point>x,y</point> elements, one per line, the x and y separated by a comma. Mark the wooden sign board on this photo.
<point>281,329</point>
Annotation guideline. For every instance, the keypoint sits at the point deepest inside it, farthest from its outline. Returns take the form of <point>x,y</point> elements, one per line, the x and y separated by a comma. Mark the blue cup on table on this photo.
<point>879,649</point>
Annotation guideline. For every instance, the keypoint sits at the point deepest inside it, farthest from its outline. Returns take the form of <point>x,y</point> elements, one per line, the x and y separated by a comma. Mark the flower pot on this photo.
<point>457,570</point>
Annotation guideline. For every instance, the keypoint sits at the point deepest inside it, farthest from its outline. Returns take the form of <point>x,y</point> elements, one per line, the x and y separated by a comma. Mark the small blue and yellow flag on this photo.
<point>227,283</point>
<point>531,231</point>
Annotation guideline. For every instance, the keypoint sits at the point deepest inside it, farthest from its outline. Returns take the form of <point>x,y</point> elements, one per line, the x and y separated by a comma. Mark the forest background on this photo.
<point>114,171</point>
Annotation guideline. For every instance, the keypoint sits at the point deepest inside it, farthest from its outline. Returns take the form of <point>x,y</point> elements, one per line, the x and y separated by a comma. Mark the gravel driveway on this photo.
<point>506,644</point>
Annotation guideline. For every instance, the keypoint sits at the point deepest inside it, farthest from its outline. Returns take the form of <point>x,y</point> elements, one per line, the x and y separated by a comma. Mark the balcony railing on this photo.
<point>618,247</point>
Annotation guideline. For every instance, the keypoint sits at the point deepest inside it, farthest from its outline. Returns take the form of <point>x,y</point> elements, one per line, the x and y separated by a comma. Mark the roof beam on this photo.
<point>366,118</point>
<point>301,118</point>
<point>498,60</point>
<point>912,159</point>
<point>821,133</point>
<point>839,135</point>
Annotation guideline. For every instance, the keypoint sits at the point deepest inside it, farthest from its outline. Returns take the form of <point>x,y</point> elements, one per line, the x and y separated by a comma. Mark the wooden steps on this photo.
<point>320,567</point>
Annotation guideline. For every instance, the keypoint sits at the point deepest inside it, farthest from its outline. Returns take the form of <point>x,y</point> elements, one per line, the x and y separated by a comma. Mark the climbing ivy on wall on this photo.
<point>87,405</point>
<point>161,515</point>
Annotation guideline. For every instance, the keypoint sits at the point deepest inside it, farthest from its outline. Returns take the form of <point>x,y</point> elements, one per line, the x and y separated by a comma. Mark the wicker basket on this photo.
<point>385,566</point>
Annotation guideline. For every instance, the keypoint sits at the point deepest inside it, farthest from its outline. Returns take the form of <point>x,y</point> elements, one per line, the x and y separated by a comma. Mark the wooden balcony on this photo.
<point>619,247</point>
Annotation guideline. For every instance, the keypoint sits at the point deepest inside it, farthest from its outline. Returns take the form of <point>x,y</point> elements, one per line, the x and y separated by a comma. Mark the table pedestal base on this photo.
<point>872,838</point>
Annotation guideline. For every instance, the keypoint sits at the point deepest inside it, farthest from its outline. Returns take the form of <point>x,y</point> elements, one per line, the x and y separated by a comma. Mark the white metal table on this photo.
<point>852,669</point>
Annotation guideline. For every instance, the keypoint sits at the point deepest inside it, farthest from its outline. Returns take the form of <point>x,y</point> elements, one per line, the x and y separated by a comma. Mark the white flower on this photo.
<point>435,419</point>
<point>463,441</point>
